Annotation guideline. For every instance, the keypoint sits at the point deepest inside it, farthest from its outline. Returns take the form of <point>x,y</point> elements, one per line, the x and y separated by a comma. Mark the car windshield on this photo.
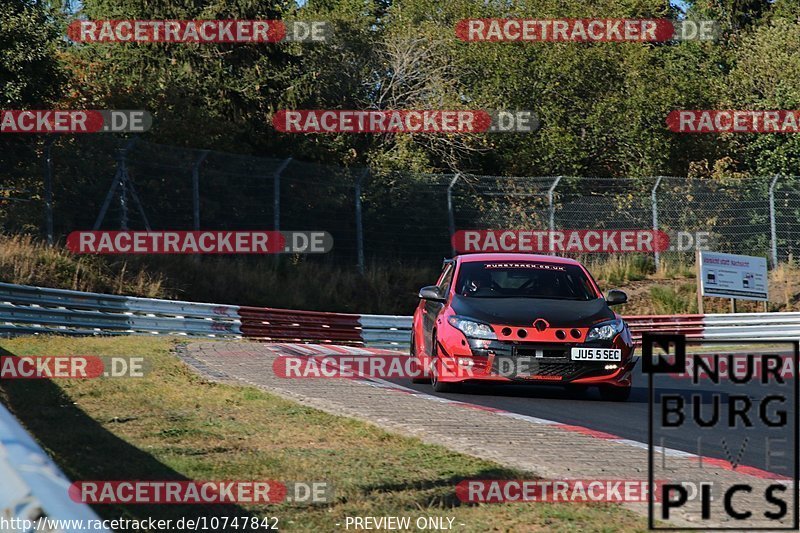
<point>524,279</point>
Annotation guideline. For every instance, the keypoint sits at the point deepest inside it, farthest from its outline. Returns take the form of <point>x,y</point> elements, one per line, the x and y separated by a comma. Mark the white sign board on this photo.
<point>733,276</point>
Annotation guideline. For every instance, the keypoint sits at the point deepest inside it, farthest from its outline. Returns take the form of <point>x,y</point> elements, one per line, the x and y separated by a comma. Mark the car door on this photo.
<point>431,309</point>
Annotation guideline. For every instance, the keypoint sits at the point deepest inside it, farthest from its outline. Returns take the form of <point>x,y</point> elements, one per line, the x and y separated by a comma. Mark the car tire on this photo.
<point>439,386</point>
<point>412,352</point>
<point>611,393</point>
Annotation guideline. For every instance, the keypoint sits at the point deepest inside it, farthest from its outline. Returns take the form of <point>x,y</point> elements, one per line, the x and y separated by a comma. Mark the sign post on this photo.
<point>699,269</point>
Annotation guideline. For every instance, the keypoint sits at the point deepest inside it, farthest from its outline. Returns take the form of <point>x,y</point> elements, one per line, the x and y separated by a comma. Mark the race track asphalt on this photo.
<point>629,420</point>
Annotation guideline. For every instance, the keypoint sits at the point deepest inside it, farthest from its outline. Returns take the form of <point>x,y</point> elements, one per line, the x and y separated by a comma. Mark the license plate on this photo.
<point>596,354</point>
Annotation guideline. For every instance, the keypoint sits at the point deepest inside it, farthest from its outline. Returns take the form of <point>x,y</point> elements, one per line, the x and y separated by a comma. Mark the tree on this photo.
<point>31,77</point>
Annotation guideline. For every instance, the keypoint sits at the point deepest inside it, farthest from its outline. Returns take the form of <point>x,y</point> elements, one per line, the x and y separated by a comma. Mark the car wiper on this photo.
<point>545,297</point>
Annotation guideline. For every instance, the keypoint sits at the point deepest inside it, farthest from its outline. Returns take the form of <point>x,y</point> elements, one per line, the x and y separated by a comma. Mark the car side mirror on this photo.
<point>431,293</point>
<point>616,297</point>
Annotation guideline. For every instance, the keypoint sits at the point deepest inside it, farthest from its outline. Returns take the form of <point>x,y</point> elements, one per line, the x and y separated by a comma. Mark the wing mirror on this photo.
<point>431,293</point>
<point>616,297</point>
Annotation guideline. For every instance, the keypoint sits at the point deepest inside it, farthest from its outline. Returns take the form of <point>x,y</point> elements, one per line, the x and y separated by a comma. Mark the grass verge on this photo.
<point>173,424</point>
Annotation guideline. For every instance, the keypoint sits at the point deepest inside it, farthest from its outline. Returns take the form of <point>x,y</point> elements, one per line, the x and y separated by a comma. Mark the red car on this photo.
<point>499,318</point>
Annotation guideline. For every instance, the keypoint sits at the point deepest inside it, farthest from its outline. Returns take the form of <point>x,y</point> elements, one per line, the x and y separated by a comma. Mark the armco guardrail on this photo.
<point>287,325</point>
<point>768,326</point>
<point>25,310</point>
<point>32,487</point>
<point>385,331</point>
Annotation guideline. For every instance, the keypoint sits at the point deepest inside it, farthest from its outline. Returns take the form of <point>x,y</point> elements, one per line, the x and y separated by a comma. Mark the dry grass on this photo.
<point>28,261</point>
<point>784,286</point>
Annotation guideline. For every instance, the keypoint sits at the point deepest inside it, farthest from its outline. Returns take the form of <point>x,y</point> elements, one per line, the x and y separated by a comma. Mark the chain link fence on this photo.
<point>99,182</point>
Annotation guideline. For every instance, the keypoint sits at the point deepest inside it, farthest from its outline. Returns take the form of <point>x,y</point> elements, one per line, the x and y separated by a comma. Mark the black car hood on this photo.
<point>523,311</point>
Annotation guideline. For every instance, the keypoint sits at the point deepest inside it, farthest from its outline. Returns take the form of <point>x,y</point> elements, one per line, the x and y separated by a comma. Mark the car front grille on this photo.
<point>565,370</point>
<point>511,367</point>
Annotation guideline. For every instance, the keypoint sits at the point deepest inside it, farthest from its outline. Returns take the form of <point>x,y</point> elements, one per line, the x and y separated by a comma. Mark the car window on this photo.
<point>446,279</point>
<point>525,279</point>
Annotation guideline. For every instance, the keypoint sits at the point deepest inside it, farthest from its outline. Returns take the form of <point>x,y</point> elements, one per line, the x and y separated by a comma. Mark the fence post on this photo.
<point>359,225</point>
<point>123,190</point>
<point>552,207</point>
<point>772,229</point>
<point>451,220</point>
<point>120,180</point>
<point>276,192</point>
<point>48,189</point>
<point>654,204</point>
<point>196,189</point>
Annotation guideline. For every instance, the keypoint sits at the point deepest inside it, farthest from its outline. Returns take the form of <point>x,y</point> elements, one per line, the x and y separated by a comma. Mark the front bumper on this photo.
<point>536,362</point>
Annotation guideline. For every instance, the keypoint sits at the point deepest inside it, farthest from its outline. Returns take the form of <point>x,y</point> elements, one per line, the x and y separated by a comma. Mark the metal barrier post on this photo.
<point>276,191</point>
<point>359,222</point>
<point>772,229</point>
<point>654,204</point>
<point>550,192</point>
<point>450,217</point>
<point>196,189</point>
<point>123,191</point>
<point>121,180</point>
<point>48,189</point>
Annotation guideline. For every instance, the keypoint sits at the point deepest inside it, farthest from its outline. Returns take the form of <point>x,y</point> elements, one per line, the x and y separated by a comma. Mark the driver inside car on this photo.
<point>479,283</point>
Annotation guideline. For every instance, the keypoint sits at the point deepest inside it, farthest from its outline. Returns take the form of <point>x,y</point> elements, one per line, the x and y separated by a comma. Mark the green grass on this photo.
<point>671,301</point>
<point>619,269</point>
<point>174,425</point>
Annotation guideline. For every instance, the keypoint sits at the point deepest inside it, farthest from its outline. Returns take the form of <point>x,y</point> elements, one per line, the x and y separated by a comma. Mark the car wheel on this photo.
<point>439,386</point>
<point>415,365</point>
<point>611,393</point>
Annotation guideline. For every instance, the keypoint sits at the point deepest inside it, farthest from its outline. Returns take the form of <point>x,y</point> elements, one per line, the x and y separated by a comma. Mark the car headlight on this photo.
<point>470,328</point>
<point>606,330</point>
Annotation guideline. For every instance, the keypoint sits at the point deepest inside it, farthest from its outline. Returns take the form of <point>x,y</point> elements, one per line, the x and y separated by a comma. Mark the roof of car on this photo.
<point>472,258</point>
